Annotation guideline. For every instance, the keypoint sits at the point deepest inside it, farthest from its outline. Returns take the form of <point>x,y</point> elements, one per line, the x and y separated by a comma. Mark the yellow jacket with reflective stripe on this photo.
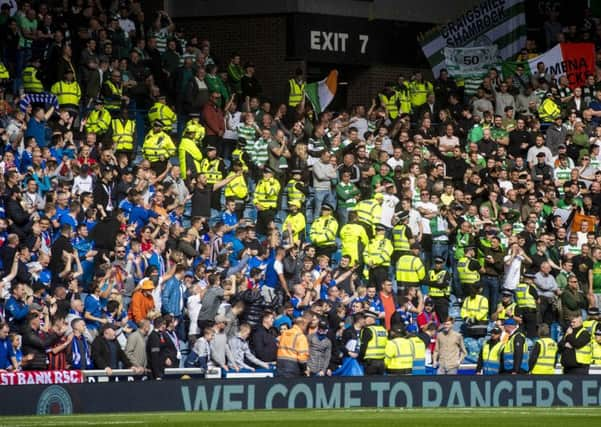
<point>195,127</point>
<point>158,147</point>
<point>123,134</point>
<point>523,298</point>
<point>293,193</point>
<point>266,193</point>
<point>378,252</point>
<point>163,113</point>
<point>210,169</point>
<point>596,353</point>
<point>98,121</point>
<point>66,93</point>
<point>438,277</point>
<point>31,83</point>
<point>398,354</point>
<point>584,354</point>
<point>323,231</point>
<point>419,92</point>
<point>4,74</point>
<point>376,346</point>
<point>237,187</point>
<point>293,345</point>
<point>296,93</point>
<point>351,236</point>
<point>545,363</point>
<point>400,242</point>
<point>390,103</point>
<point>113,102</point>
<point>298,224</point>
<point>491,358</point>
<point>188,149</point>
<point>475,308</point>
<point>410,270</point>
<point>467,276</point>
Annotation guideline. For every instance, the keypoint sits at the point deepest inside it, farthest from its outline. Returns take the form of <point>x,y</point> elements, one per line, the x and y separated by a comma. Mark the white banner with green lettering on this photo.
<point>463,62</point>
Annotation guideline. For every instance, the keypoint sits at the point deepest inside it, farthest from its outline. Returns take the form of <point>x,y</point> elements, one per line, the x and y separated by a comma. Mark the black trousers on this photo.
<point>377,275</point>
<point>441,307</point>
<point>264,218</point>
<point>374,367</point>
<point>529,323</point>
<point>580,370</point>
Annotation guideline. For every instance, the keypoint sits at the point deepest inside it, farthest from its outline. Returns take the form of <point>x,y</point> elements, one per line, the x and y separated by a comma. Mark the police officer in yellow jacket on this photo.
<point>377,257</point>
<point>295,223</point>
<point>237,188</point>
<point>213,167</point>
<point>323,232</point>
<point>419,89</point>
<point>372,348</point>
<point>123,133</point>
<point>67,91</point>
<point>398,354</point>
<point>296,91</point>
<point>526,305</point>
<point>189,155</point>
<point>158,147</point>
<point>265,200</point>
<point>514,358</point>
<point>489,361</point>
<point>99,119</point>
<point>31,79</point>
<point>112,92</point>
<point>193,125</point>
<point>468,269</point>
<point>161,111</point>
<point>388,100</point>
<point>543,354</point>
<point>295,188</point>
<point>353,239</point>
<point>474,312</point>
<point>369,213</point>
<point>439,283</point>
<point>410,270</point>
<point>576,348</point>
<point>402,236</point>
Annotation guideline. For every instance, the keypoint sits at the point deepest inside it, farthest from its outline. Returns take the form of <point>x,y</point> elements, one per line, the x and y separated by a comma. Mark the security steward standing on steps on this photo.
<point>526,302</point>
<point>213,167</point>
<point>68,92</point>
<point>402,237</point>
<point>158,147</point>
<point>468,269</point>
<point>410,269</point>
<point>161,111</point>
<point>189,154</point>
<point>398,354</point>
<point>31,79</point>
<point>576,348</point>
<point>296,91</point>
<point>99,119</point>
<point>489,361</point>
<point>372,347</point>
<point>265,199</point>
<point>377,257</point>
<point>514,358</point>
<point>543,354</point>
<point>123,133</point>
<point>439,282</point>
<point>323,232</point>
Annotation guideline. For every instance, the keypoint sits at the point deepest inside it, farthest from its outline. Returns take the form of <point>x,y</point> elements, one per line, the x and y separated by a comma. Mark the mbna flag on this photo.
<point>321,93</point>
<point>491,22</point>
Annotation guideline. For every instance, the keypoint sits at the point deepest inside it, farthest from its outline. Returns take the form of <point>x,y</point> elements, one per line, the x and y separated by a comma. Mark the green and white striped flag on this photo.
<point>321,93</point>
<point>491,22</point>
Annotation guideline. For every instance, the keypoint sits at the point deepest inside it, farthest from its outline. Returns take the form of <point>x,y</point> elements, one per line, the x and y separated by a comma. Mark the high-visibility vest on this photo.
<point>398,354</point>
<point>508,351</point>
<point>584,354</point>
<point>123,134</point>
<point>4,74</point>
<point>188,149</point>
<point>400,242</point>
<point>502,315</point>
<point>66,93</point>
<point>376,346</point>
<point>163,113</point>
<point>238,155</point>
<point>293,346</point>
<point>236,188</point>
<point>523,297</point>
<point>31,83</point>
<point>438,277</point>
<point>294,194</point>
<point>491,358</point>
<point>390,103</point>
<point>410,270</point>
<point>419,92</point>
<point>298,224</point>
<point>365,211</point>
<point>323,231</point>
<point>467,276</point>
<point>545,364</point>
<point>596,353</point>
<point>266,193</point>
<point>113,103</point>
<point>158,147</point>
<point>590,325</point>
<point>548,110</point>
<point>296,93</point>
<point>197,129</point>
<point>475,308</point>
<point>351,235</point>
<point>418,349</point>
<point>210,169</point>
<point>404,100</point>
<point>98,121</point>
<point>378,252</point>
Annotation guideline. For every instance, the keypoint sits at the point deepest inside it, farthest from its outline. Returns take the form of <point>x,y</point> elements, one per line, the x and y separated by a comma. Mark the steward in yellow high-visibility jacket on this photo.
<point>323,232</point>
<point>99,119</point>
<point>190,156</point>
<point>295,222</point>
<point>123,133</point>
<point>212,166</point>
<point>543,354</point>
<point>410,270</point>
<point>369,213</point>
<point>377,256</point>
<point>266,200</point>
<point>112,91</point>
<point>295,188</point>
<point>353,239</point>
<point>372,349</point>
<point>388,100</point>
<point>398,353</point>
<point>67,91</point>
<point>297,89</point>
<point>31,81</point>
<point>489,362</point>
<point>198,131</point>
<point>402,237</point>
<point>161,111</point>
<point>474,309</point>
<point>419,90</point>
<point>158,147</point>
<point>237,188</point>
<point>4,74</point>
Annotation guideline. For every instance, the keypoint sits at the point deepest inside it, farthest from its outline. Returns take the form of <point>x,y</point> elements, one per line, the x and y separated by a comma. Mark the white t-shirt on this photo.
<point>426,221</point>
<point>82,184</point>
<point>194,305</point>
<point>388,206</point>
<point>512,272</point>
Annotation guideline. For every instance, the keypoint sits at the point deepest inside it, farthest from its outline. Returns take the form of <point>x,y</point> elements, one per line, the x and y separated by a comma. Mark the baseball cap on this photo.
<point>369,313</point>
<point>438,260</point>
<point>146,284</point>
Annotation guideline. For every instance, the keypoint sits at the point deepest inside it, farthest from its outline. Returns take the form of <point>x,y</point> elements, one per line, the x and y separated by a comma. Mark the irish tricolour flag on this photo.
<point>322,93</point>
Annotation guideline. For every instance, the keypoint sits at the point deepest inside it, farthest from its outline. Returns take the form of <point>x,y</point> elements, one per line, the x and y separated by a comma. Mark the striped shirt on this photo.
<point>249,133</point>
<point>260,152</point>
